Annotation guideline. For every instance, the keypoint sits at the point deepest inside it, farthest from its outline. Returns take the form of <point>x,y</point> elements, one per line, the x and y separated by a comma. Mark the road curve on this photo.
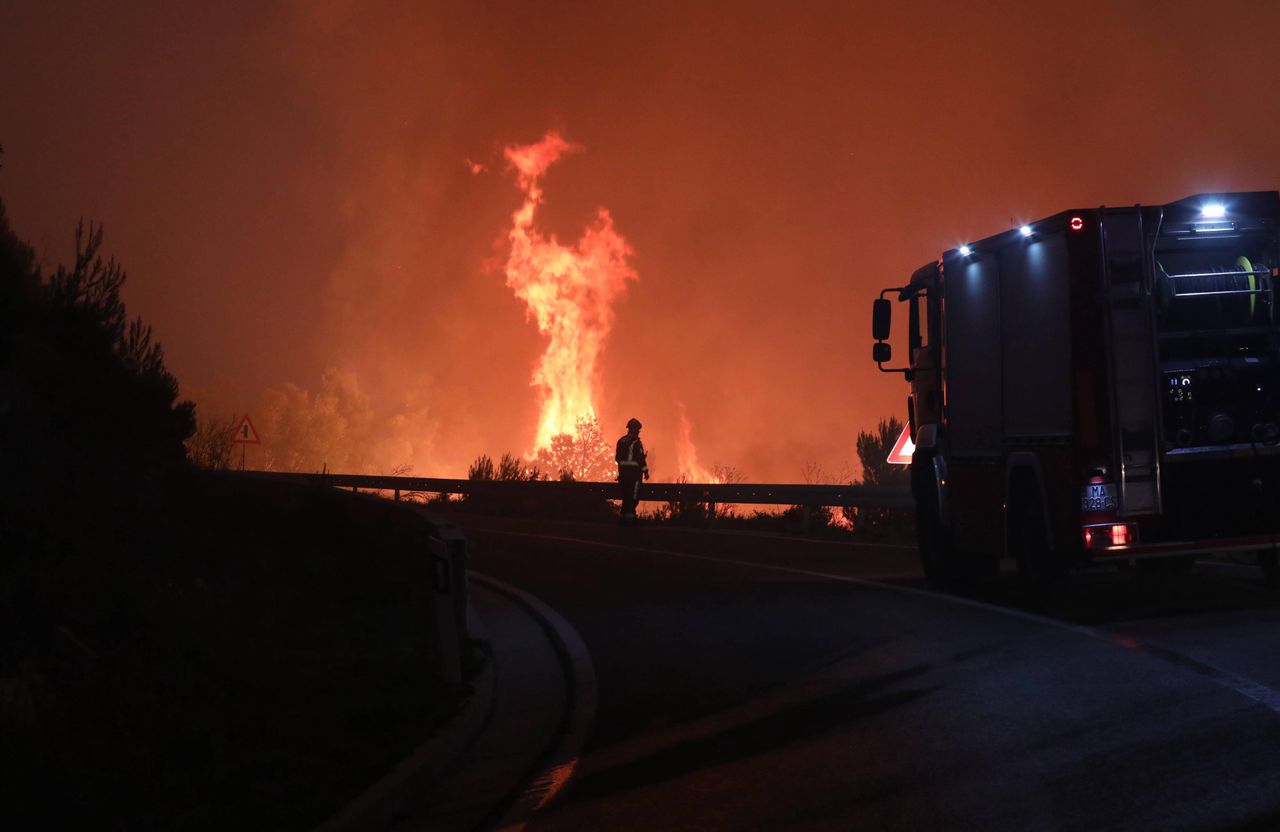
<point>750,682</point>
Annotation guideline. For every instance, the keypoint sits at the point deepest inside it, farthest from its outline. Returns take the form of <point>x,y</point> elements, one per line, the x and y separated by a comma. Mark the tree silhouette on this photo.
<point>873,452</point>
<point>584,457</point>
<point>211,444</point>
<point>86,403</point>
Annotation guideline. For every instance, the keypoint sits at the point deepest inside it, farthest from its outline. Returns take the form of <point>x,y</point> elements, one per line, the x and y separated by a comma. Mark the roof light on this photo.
<point>1077,223</point>
<point>965,251</point>
<point>1025,230</point>
<point>1213,211</point>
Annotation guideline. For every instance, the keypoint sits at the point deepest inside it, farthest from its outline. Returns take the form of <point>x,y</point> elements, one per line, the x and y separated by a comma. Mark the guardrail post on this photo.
<point>449,579</point>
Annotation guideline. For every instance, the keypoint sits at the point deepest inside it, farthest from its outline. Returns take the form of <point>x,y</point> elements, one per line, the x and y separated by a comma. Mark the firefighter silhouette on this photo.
<point>632,466</point>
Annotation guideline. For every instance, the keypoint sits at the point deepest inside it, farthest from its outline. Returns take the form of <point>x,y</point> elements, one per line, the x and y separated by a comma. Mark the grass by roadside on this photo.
<point>232,655</point>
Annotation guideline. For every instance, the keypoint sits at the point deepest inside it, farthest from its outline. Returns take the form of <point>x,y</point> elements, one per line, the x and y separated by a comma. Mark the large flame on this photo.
<point>569,291</point>
<point>687,453</point>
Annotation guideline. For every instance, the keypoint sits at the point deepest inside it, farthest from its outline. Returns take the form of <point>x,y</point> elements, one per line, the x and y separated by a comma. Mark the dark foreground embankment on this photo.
<point>239,655</point>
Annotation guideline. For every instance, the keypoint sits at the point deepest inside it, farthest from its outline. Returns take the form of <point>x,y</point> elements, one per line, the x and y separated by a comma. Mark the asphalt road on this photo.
<point>749,682</point>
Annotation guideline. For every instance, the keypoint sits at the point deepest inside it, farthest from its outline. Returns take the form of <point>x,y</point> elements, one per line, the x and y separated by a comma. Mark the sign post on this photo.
<point>245,434</point>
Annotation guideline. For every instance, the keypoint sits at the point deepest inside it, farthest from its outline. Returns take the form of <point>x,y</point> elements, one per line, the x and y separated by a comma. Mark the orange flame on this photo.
<point>687,454</point>
<point>569,291</point>
<point>840,520</point>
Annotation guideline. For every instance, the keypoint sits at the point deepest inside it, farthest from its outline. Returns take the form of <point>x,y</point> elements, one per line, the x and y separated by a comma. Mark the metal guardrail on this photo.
<point>863,496</point>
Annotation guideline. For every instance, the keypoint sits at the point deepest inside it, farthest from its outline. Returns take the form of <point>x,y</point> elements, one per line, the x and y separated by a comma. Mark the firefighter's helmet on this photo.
<point>633,424</point>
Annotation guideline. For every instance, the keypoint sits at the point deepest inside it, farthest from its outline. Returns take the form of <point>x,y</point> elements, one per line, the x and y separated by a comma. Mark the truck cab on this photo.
<point>1099,385</point>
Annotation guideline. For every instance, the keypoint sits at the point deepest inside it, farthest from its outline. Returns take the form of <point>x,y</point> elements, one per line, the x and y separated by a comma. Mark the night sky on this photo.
<point>291,190</point>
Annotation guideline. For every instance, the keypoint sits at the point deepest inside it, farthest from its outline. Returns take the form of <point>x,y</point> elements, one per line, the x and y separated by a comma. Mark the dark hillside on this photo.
<point>181,650</point>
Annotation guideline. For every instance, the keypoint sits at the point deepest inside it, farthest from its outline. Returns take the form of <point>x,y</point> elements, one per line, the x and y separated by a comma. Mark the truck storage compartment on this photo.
<point>1216,498</point>
<point>1218,346</point>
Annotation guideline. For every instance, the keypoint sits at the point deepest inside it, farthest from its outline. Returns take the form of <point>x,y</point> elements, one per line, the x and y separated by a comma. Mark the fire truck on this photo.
<point>1099,386</point>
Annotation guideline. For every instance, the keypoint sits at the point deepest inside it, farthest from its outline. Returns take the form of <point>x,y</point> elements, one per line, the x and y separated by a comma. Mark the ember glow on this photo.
<point>687,453</point>
<point>569,291</point>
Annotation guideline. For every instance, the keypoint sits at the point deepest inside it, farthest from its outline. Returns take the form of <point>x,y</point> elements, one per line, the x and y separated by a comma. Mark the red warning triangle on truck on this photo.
<point>902,449</point>
<point>245,433</point>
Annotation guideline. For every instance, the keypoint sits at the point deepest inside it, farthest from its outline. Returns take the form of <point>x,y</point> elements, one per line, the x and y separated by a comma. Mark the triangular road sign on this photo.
<point>902,449</point>
<point>245,433</point>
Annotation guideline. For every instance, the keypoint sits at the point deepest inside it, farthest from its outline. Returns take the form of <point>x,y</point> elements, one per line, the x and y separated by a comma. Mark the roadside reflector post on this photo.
<point>711,514</point>
<point>448,550</point>
<point>397,495</point>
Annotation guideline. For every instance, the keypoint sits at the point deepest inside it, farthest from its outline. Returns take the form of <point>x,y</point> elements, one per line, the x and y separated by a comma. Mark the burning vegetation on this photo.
<point>687,454</point>
<point>569,291</point>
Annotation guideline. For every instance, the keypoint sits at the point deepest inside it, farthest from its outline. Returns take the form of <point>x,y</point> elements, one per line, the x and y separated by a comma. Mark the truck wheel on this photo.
<point>946,568</point>
<point>931,538</point>
<point>1038,569</point>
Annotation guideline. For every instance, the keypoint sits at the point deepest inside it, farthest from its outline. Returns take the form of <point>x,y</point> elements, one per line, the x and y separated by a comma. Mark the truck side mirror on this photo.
<point>881,316</point>
<point>881,352</point>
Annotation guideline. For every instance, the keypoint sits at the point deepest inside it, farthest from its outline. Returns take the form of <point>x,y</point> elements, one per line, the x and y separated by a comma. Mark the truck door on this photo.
<point>1133,371</point>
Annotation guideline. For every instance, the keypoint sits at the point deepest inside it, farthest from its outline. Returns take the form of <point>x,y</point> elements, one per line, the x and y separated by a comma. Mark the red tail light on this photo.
<point>1109,535</point>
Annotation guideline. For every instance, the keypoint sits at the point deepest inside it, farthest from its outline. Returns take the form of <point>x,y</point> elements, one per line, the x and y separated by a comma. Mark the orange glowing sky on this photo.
<point>312,196</point>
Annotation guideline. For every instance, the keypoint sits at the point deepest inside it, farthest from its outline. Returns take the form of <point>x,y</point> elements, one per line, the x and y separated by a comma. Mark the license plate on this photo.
<point>1098,497</point>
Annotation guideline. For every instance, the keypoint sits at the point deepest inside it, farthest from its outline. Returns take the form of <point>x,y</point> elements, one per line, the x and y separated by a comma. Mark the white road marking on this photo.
<point>1258,692</point>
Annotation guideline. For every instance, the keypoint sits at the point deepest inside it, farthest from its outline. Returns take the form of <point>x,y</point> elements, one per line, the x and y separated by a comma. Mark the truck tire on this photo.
<point>1040,571</point>
<point>947,568</point>
<point>934,544</point>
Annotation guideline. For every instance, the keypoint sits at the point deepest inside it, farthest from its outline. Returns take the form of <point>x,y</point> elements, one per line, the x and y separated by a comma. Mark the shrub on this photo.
<point>873,453</point>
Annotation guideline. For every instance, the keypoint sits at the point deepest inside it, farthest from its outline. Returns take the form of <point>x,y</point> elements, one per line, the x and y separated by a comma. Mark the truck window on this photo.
<point>918,310</point>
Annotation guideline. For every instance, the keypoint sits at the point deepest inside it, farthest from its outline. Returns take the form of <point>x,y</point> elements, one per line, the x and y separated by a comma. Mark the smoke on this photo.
<point>569,291</point>
<point>337,428</point>
<point>289,190</point>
